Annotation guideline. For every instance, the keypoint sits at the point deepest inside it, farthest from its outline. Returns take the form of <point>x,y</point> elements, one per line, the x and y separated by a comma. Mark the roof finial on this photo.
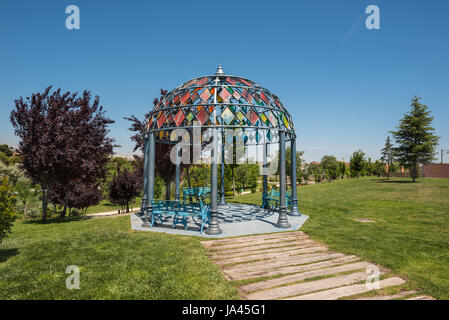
<point>219,70</point>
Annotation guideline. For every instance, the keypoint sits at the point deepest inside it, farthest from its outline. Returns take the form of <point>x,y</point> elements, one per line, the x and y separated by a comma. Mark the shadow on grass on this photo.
<point>393,181</point>
<point>5,254</point>
<point>54,220</point>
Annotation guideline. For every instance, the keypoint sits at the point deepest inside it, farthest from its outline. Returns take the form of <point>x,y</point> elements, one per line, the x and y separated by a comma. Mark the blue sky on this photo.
<point>344,85</point>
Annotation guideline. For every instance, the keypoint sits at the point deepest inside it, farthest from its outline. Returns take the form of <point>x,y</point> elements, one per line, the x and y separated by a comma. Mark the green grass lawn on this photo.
<point>115,263</point>
<point>410,235</point>
<point>106,206</point>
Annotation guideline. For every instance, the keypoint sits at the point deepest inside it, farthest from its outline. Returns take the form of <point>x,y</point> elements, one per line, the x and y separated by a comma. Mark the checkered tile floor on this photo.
<point>241,212</point>
<point>230,213</point>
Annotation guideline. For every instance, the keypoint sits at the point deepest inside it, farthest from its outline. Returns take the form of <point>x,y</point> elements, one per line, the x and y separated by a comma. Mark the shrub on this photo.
<point>7,205</point>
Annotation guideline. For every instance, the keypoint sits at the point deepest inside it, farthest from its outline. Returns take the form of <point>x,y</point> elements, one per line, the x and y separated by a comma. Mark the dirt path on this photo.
<point>111,213</point>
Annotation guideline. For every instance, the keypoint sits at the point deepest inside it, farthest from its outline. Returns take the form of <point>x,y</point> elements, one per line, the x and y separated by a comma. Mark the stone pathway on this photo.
<point>290,266</point>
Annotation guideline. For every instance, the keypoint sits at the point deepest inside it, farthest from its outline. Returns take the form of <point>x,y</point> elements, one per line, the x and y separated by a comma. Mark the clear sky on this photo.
<point>345,86</point>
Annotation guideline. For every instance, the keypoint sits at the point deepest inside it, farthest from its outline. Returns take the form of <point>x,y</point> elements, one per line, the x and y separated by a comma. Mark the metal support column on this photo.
<point>178,171</point>
<point>214,227</point>
<point>282,220</point>
<point>143,205</point>
<point>295,209</point>
<point>151,168</point>
<point>265,177</point>
<point>222,177</point>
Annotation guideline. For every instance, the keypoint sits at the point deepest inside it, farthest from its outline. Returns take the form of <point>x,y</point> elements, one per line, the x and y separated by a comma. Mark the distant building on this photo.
<point>435,170</point>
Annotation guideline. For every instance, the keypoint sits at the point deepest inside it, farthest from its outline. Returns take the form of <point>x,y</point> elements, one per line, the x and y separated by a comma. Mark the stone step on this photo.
<point>347,291</point>
<point>302,276</point>
<point>267,246</point>
<point>389,297</point>
<point>254,252</point>
<point>283,262</point>
<point>249,238</point>
<point>306,287</point>
<point>262,254</point>
<point>272,255</point>
<point>257,242</point>
<point>236,275</point>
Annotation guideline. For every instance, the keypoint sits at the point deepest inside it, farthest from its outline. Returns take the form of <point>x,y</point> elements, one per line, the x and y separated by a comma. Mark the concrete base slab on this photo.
<point>263,225</point>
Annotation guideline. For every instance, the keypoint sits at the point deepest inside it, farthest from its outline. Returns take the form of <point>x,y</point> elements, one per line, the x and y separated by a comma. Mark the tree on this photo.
<point>200,175</point>
<point>24,192</point>
<point>63,138</point>
<point>357,163</point>
<point>18,181</point>
<point>342,169</point>
<point>387,155</point>
<point>4,158</point>
<point>315,170</point>
<point>124,188</point>
<point>378,167</point>
<point>247,175</point>
<point>415,138</point>
<point>111,168</point>
<point>288,163</point>
<point>306,174</point>
<point>81,197</point>
<point>7,205</point>
<point>13,172</point>
<point>7,150</point>
<point>368,168</point>
<point>330,167</point>
<point>84,196</point>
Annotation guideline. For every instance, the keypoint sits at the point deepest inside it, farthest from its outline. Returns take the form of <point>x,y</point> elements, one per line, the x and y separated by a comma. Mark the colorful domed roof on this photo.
<point>220,101</point>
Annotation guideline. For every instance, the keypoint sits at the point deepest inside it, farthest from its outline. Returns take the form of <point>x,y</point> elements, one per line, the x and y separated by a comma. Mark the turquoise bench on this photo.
<point>180,211</point>
<point>199,193</point>
<point>273,199</point>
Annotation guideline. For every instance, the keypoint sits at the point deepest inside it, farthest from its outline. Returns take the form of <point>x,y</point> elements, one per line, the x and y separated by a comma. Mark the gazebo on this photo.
<point>231,109</point>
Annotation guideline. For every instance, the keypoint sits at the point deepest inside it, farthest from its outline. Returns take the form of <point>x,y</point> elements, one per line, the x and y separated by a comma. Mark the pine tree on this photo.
<point>387,154</point>
<point>415,138</point>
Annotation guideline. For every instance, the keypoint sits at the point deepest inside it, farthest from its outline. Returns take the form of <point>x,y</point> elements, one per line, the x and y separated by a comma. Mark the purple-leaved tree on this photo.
<point>125,187</point>
<point>63,139</point>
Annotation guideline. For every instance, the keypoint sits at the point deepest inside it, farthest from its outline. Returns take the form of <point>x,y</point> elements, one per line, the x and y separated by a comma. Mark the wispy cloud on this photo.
<point>355,28</point>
